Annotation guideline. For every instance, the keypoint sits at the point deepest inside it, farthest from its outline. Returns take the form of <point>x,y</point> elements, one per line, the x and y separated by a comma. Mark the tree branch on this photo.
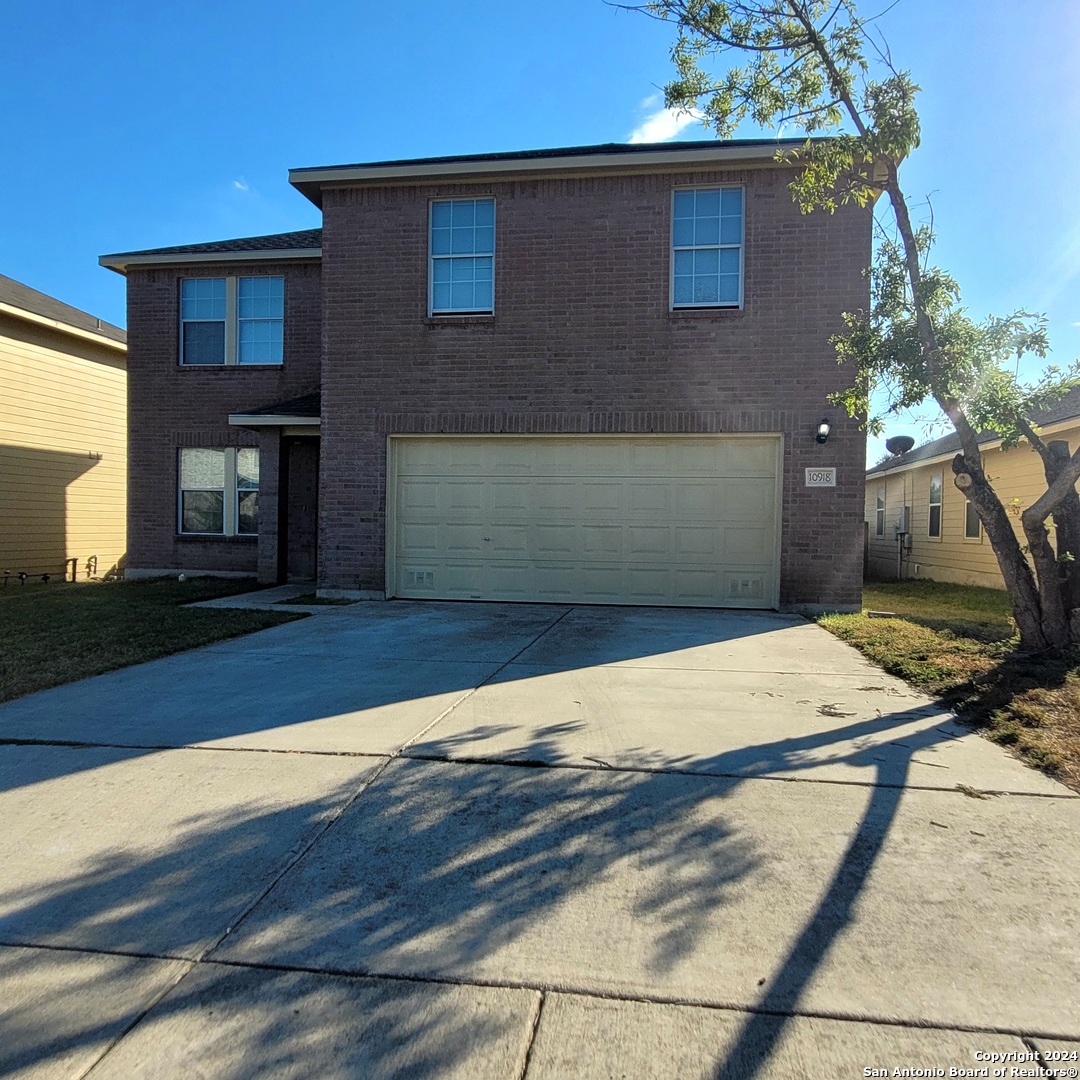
<point>1044,505</point>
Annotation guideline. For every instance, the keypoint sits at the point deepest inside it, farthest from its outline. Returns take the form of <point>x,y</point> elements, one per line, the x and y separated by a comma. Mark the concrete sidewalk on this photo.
<point>488,840</point>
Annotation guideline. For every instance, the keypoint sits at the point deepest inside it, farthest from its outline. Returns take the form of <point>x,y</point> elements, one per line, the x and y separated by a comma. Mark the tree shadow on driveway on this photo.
<point>596,880</point>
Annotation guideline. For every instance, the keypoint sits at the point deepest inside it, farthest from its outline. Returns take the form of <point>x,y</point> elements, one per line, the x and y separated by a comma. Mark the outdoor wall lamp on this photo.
<point>823,430</point>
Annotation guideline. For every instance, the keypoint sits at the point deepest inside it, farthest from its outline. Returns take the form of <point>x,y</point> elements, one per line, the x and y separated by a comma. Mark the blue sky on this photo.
<point>131,125</point>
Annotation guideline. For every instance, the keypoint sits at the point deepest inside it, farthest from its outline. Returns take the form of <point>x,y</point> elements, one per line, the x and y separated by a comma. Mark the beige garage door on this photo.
<point>685,520</point>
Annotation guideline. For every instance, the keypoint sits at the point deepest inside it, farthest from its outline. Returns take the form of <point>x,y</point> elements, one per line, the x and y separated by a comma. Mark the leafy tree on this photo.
<point>822,69</point>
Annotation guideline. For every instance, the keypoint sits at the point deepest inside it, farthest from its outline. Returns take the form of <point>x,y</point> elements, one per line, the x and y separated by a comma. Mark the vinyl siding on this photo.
<point>63,451</point>
<point>1017,475</point>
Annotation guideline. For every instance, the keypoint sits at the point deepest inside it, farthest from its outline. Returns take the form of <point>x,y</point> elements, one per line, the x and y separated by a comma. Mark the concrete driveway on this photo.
<point>413,840</point>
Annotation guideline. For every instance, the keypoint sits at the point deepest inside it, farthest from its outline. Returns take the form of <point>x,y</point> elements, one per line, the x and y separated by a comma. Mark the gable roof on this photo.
<point>20,300</point>
<point>1067,408</point>
<point>304,244</point>
<point>620,156</point>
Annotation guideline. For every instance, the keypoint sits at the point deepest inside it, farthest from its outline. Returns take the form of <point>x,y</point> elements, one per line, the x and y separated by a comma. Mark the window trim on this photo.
<point>930,504</point>
<point>880,503</point>
<point>459,313</point>
<point>969,507</point>
<point>230,511</point>
<point>718,306</point>
<point>232,322</point>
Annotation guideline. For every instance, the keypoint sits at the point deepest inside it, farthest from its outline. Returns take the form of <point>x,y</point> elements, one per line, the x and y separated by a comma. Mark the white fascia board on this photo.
<point>938,459</point>
<point>614,162</point>
<point>120,263</point>
<point>62,327</point>
<point>259,420</point>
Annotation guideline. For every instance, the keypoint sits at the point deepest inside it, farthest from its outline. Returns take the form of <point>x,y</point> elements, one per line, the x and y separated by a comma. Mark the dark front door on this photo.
<point>301,468</point>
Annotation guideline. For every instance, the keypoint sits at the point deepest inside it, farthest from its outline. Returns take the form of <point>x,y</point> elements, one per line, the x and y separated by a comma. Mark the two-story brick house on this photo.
<point>593,374</point>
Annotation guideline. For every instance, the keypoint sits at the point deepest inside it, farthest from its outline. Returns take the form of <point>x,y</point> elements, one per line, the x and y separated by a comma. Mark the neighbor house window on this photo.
<point>972,524</point>
<point>219,491</point>
<point>934,526</point>
<point>462,257</point>
<point>232,320</point>
<point>707,247</point>
<point>879,512</point>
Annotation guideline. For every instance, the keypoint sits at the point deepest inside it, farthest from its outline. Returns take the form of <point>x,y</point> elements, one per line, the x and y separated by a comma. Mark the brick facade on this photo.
<point>171,406</point>
<point>582,340</point>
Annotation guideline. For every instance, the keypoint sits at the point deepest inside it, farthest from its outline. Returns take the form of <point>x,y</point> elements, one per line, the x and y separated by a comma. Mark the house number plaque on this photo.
<point>821,478</point>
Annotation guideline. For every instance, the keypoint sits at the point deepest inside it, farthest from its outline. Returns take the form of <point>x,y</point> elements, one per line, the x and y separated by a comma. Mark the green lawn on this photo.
<point>958,643</point>
<point>56,633</point>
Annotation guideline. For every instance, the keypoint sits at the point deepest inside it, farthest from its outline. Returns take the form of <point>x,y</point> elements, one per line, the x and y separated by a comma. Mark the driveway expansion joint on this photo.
<point>600,766</point>
<point>534,1027</point>
<point>543,989</point>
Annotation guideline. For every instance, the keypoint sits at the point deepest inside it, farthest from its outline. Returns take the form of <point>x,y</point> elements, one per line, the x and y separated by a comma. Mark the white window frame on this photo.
<point>230,492</point>
<point>460,313</point>
<point>232,321</point>
<point>930,504</point>
<point>969,509</point>
<point>879,511</point>
<point>719,305</point>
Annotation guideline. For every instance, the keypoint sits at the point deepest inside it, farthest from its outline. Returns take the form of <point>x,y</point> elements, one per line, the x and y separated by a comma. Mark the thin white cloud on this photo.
<point>663,125</point>
<point>240,184</point>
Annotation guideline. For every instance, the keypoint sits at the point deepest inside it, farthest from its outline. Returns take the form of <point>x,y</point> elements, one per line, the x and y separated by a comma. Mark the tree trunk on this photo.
<point>1019,580</point>
<point>1066,525</point>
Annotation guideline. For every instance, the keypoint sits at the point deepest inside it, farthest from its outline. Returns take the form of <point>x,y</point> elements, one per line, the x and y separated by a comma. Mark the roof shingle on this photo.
<point>1066,409</point>
<point>21,296</point>
<point>303,240</point>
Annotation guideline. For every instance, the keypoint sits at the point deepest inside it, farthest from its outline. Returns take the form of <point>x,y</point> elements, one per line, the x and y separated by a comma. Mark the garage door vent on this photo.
<point>745,586</point>
<point>419,579</point>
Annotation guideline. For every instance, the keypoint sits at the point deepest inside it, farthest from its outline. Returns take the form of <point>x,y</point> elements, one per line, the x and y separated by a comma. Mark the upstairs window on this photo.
<point>232,320</point>
<point>219,491</point>
<point>462,257</point>
<point>933,528</point>
<point>202,321</point>
<point>707,248</point>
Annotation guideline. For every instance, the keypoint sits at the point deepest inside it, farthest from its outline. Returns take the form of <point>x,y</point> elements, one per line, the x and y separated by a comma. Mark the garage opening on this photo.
<point>662,520</point>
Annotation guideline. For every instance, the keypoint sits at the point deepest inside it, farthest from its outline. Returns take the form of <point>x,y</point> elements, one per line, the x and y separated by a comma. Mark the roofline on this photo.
<point>272,420</point>
<point>310,181</point>
<point>121,262</point>
<point>938,459</point>
<point>62,327</point>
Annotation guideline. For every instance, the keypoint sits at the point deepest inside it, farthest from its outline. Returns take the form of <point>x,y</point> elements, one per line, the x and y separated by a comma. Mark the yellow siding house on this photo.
<point>914,494</point>
<point>63,439</point>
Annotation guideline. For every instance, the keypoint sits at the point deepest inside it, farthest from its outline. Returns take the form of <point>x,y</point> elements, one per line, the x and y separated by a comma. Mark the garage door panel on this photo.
<point>745,545</point>
<point>510,496</point>
<point>554,496</point>
<point>552,541</point>
<point>508,541</point>
<point>463,497</point>
<point>602,497</point>
<point>419,538</point>
<point>463,538</point>
<point>696,541</point>
<point>649,498</point>
<point>622,519</point>
<point>695,586</point>
<point>747,499</point>
<point>419,495</point>
<point>696,499</point>
<point>648,584</point>
<point>648,541</point>
<point>602,541</point>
